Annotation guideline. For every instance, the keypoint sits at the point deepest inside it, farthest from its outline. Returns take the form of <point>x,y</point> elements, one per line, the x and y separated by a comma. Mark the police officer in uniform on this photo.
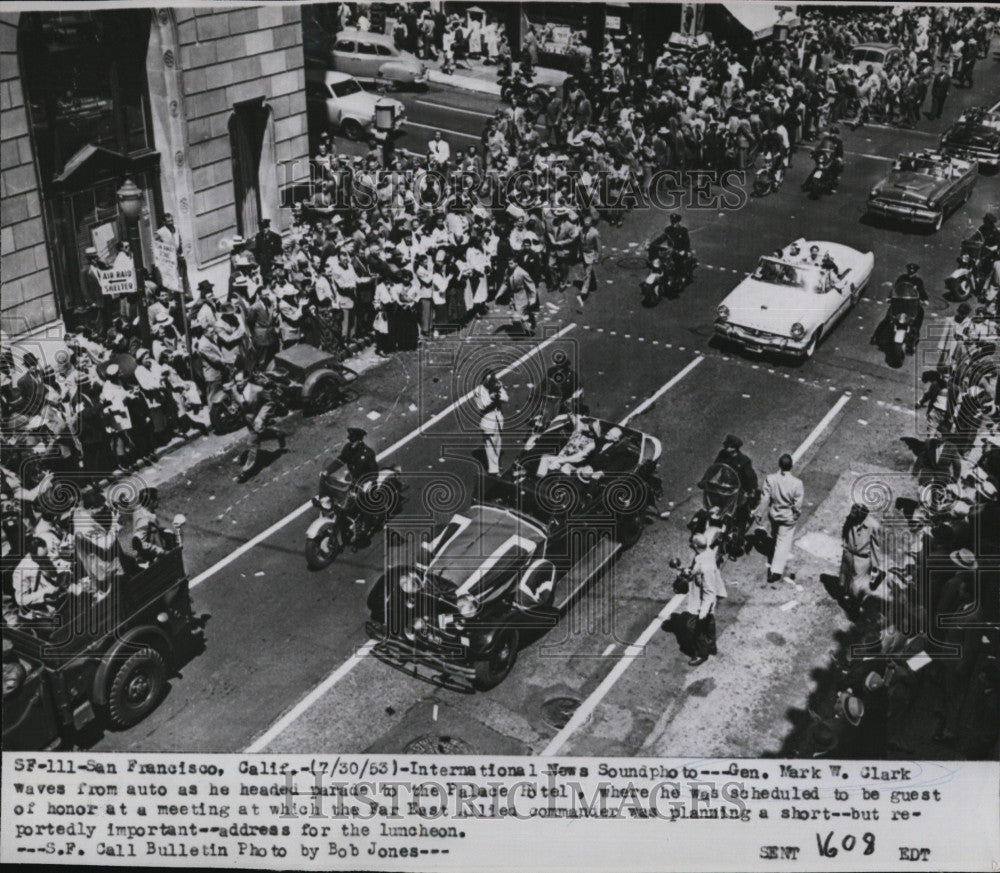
<point>489,397</point>
<point>732,456</point>
<point>362,465</point>
<point>676,236</point>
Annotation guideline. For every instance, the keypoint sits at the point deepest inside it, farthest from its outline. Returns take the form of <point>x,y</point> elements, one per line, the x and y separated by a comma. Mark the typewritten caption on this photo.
<point>428,812</point>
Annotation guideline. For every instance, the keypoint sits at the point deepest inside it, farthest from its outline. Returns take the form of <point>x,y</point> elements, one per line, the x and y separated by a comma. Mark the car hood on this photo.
<point>771,308</point>
<point>910,186</point>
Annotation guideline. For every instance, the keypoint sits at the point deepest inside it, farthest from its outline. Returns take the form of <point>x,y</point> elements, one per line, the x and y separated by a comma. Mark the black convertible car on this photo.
<point>455,609</point>
<point>976,137</point>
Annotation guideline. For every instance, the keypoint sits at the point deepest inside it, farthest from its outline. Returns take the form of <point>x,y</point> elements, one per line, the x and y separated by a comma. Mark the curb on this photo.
<point>467,83</point>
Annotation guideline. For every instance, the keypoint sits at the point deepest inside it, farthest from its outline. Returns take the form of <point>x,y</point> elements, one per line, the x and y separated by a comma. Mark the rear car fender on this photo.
<point>131,641</point>
<point>315,377</point>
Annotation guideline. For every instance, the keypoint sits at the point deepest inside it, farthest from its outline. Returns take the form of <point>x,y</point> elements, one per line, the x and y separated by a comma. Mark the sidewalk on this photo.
<point>179,457</point>
<point>471,75</point>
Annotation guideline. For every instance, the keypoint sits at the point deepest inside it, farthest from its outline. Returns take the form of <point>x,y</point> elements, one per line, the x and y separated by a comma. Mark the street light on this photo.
<point>385,119</point>
<point>130,202</point>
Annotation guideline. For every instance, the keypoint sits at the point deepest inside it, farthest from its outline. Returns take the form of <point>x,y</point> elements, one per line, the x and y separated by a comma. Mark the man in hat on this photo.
<point>36,582</point>
<point>861,555</point>
<point>267,247</point>
<point>590,249</point>
<point>262,324</point>
<point>31,385</point>
<point>240,260</point>
<point>732,456</point>
<point>213,367</point>
<point>782,497</point>
<point>115,399</point>
<point>259,408</point>
<point>150,537</point>
<point>940,85</point>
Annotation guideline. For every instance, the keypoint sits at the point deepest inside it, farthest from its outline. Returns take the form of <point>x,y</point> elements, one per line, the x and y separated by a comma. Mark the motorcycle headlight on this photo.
<point>723,311</point>
<point>873,193</point>
<point>410,583</point>
<point>902,318</point>
<point>798,331</point>
<point>419,626</point>
<point>325,502</point>
<point>467,606</point>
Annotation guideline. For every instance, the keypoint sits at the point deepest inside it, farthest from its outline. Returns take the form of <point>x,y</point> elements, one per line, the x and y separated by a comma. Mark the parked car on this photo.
<point>374,56</point>
<point>923,188</point>
<point>337,100</point>
<point>107,661</point>
<point>873,54</point>
<point>976,137</point>
<point>788,306</point>
<point>456,612</point>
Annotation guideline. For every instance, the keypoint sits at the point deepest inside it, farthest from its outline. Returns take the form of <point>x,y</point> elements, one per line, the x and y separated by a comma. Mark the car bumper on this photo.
<point>759,343</point>
<point>422,78</point>
<point>904,212</point>
<point>422,660</point>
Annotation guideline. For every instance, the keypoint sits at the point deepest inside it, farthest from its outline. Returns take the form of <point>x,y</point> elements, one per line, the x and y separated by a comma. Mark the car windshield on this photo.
<point>346,88</point>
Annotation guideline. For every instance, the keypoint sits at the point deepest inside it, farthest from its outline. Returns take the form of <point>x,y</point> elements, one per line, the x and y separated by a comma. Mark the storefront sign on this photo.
<point>613,22</point>
<point>117,281</point>
<point>165,258</point>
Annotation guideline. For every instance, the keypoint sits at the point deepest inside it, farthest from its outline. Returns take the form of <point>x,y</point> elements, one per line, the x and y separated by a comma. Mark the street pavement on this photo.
<point>287,665</point>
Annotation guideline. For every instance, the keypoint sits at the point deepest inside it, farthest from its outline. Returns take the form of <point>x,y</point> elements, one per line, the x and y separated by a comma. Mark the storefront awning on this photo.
<point>758,18</point>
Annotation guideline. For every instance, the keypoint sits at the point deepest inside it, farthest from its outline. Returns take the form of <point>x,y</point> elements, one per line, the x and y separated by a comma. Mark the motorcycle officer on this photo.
<point>258,404</point>
<point>732,456</point>
<point>775,151</point>
<point>910,277</point>
<point>676,236</point>
<point>831,140</point>
<point>362,465</point>
<point>990,232</point>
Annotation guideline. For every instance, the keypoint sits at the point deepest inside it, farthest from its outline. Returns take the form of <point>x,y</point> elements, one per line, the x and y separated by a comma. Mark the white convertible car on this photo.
<point>790,302</point>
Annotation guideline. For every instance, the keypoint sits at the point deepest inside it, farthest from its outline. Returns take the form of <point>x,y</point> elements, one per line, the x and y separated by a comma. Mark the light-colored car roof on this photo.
<point>354,33</point>
<point>884,46</point>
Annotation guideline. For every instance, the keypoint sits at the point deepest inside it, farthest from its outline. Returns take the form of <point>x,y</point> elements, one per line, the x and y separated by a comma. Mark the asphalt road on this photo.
<point>286,667</point>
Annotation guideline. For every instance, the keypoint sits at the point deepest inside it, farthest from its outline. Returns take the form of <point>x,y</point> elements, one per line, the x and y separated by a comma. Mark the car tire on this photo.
<point>323,395</point>
<point>322,550</point>
<point>137,688</point>
<point>352,129</point>
<point>493,669</point>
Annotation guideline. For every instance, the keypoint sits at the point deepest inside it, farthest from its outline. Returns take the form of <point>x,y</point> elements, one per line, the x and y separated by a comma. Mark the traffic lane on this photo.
<point>699,411</point>
<point>443,461</point>
<point>662,685</point>
<point>459,115</point>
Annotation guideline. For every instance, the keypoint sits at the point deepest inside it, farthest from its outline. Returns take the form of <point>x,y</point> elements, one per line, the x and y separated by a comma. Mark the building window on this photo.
<point>247,130</point>
<point>84,76</point>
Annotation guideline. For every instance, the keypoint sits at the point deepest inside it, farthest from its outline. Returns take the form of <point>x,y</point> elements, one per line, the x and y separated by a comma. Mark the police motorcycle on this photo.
<point>349,512</point>
<point>725,508</point>
<point>976,265</point>
<point>670,271</point>
<point>902,327</point>
<point>769,177</point>
<point>823,175</point>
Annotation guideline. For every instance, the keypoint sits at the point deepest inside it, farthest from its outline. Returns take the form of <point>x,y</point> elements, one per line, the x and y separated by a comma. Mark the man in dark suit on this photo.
<point>266,247</point>
<point>939,92</point>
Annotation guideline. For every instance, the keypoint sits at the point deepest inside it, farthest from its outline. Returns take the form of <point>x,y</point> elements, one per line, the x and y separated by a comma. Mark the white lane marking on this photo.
<point>454,109</point>
<point>909,131</point>
<point>474,136</point>
<point>585,709</point>
<point>295,513</point>
<point>306,702</point>
<point>870,156</point>
<point>611,647</point>
<point>649,401</point>
<point>822,426</point>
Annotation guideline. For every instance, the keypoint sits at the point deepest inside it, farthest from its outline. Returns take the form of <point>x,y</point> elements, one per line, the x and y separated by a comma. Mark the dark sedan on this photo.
<point>923,188</point>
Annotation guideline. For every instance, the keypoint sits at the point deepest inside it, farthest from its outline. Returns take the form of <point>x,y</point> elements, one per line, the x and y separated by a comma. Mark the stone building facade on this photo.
<point>204,108</point>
